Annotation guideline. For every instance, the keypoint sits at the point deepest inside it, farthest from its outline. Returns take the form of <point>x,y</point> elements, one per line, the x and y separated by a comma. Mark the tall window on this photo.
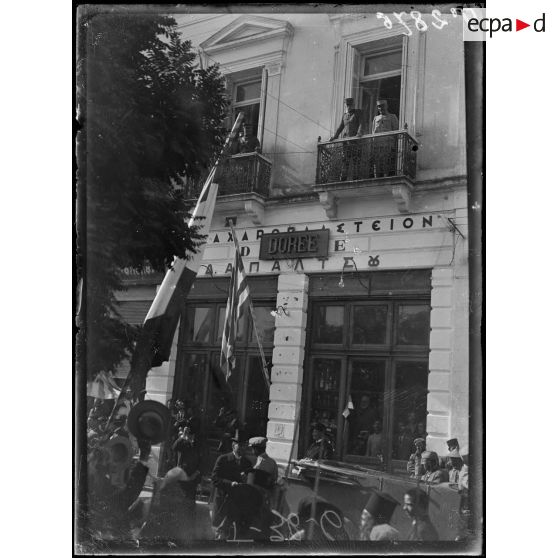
<point>246,98</point>
<point>199,378</point>
<point>375,355</point>
<point>380,77</point>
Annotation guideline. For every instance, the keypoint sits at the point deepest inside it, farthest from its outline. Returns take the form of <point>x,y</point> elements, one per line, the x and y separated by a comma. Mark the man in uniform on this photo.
<point>432,472</point>
<point>229,472</point>
<point>350,126</point>
<point>384,150</point>
<point>414,465</point>
<point>459,479</point>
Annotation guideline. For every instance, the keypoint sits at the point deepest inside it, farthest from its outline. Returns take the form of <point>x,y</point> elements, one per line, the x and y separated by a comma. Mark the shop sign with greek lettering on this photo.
<point>291,245</point>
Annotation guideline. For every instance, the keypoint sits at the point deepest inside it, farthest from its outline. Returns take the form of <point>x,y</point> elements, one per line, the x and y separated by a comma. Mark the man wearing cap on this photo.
<point>459,479</point>
<point>414,465</point>
<point>264,463</point>
<point>459,472</point>
<point>384,148</point>
<point>415,505</point>
<point>432,472</point>
<point>351,126</point>
<point>321,447</point>
<point>453,444</point>
<point>375,518</point>
<point>229,471</point>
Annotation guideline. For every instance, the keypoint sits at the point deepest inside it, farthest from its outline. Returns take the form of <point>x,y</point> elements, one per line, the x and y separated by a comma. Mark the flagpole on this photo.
<point>253,314</point>
<point>142,357</point>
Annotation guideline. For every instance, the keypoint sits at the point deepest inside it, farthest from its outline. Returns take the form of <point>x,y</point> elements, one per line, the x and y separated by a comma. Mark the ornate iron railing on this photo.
<point>238,174</point>
<point>366,157</point>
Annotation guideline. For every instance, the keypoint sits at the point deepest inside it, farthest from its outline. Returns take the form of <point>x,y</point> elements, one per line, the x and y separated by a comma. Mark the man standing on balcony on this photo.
<point>351,126</point>
<point>384,149</point>
<point>249,143</point>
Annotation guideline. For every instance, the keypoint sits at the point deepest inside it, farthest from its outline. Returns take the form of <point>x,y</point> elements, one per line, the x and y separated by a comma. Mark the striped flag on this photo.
<point>238,303</point>
<point>155,341</point>
<point>154,344</point>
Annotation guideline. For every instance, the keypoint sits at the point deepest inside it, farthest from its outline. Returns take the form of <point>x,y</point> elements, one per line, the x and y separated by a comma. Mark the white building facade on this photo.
<point>379,319</point>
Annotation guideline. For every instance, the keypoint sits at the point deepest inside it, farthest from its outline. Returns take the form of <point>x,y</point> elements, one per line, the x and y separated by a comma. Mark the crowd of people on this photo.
<point>245,482</point>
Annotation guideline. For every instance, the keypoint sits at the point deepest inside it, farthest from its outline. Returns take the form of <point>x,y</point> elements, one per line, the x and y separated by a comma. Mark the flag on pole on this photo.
<point>103,387</point>
<point>155,341</point>
<point>238,303</point>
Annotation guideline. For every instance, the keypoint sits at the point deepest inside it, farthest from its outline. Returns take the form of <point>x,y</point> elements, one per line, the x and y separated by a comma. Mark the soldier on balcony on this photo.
<point>384,149</point>
<point>351,126</point>
<point>249,143</point>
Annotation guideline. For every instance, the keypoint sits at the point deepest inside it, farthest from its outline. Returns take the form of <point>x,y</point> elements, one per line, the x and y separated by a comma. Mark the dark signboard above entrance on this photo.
<point>294,245</point>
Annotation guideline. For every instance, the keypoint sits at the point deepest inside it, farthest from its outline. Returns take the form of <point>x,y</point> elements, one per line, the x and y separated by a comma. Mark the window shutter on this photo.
<point>356,89</point>
<point>263,100</point>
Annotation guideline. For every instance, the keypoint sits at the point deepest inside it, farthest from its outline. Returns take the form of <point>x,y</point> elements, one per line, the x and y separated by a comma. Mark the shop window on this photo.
<point>326,373</point>
<point>200,321</point>
<point>241,326</point>
<point>413,324</point>
<point>370,324</point>
<point>200,380</point>
<point>367,385</point>
<point>373,355</point>
<point>266,324</point>
<point>328,324</point>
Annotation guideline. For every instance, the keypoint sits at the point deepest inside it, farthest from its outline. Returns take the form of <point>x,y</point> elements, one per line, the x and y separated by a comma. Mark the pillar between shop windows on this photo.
<point>287,370</point>
<point>440,361</point>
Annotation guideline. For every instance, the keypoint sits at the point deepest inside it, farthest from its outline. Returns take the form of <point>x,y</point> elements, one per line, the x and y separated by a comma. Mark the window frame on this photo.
<point>371,50</point>
<point>245,349</point>
<point>348,70</point>
<point>246,77</point>
<point>348,352</point>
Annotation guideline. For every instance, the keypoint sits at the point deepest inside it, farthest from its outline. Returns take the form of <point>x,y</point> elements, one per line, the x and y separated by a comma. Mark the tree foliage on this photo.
<point>150,117</point>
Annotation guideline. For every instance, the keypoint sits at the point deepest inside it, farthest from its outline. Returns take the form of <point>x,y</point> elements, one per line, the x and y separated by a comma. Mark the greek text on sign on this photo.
<point>290,245</point>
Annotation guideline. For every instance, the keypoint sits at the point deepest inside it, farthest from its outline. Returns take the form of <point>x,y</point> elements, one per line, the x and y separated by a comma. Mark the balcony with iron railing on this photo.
<point>244,173</point>
<point>377,161</point>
